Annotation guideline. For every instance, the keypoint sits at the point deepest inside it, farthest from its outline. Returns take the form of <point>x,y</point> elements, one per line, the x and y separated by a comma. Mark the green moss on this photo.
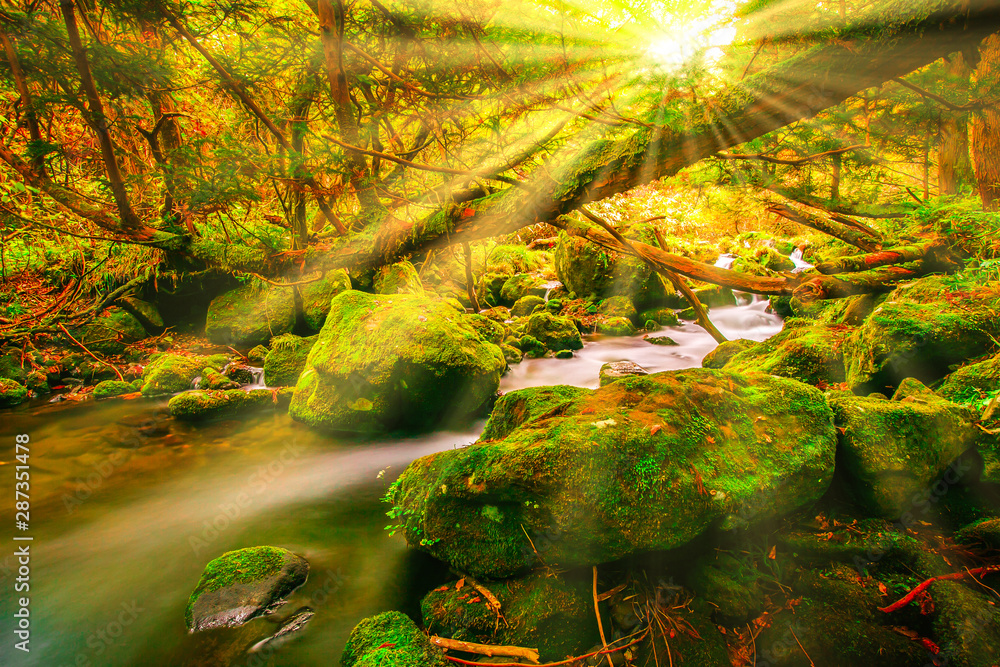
<point>804,350</point>
<point>521,285</point>
<point>663,316</point>
<point>316,296</point>
<point>588,270</point>
<point>590,480</point>
<point>616,326</point>
<point>286,360</point>
<point>394,361</point>
<point>390,638</point>
<point>170,373</point>
<point>724,353</point>
<point>554,332</point>
<point>618,306</point>
<point>257,355</point>
<point>511,353</point>
<point>10,367</point>
<point>399,278</point>
<point>487,329</point>
<point>12,393</point>
<point>109,333</point>
<point>526,305</point>
<point>199,404</point>
<point>511,259</point>
<point>245,318</point>
<point>111,388</point>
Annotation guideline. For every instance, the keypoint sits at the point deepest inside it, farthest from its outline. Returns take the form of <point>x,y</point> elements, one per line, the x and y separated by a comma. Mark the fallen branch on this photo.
<point>876,281</point>
<point>936,252</point>
<point>567,661</point>
<point>924,585</point>
<point>791,162</point>
<point>84,348</point>
<point>486,649</point>
<point>827,226</point>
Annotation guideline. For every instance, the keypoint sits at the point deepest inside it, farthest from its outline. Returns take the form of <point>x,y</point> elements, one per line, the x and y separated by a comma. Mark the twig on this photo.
<point>924,585</point>
<point>600,624</point>
<point>84,348</point>
<point>486,649</point>
<point>567,661</point>
<point>811,663</point>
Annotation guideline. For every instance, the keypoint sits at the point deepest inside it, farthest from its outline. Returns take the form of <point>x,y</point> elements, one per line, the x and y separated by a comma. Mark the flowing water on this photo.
<point>129,505</point>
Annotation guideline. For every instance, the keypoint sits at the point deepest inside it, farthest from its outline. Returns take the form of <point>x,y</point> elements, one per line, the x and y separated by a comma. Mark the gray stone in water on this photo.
<point>615,370</point>
<point>241,585</point>
<point>660,340</point>
<point>292,624</point>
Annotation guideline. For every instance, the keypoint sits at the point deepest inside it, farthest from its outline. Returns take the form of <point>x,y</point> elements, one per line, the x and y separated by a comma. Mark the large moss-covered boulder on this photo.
<point>616,326</point>
<point>109,333</point>
<point>554,615</point>
<point>287,358</point>
<point>554,332</point>
<point>643,463</point>
<point>199,404</point>
<point>526,305</point>
<point>588,269</point>
<point>317,294</point>
<point>11,368</point>
<point>241,585</point>
<point>171,373</point>
<point>724,352</point>
<point>488,329</point>
<point>893,451</point>
<point>247,317</point>
<point>922,329</point>
<point>521,285</point>
<point>804,350</point>
<point>973,382</point>
<point>12,393</point>
<point>398,278</point>
<point>390,639</point>
<point>401,361</point>
<point>112,388</point>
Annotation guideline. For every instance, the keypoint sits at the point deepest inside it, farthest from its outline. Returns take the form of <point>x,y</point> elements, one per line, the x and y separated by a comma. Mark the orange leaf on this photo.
<point>460,584</point>
<point>587,411</point>
<point>656,428</point>
<point>773,554</point>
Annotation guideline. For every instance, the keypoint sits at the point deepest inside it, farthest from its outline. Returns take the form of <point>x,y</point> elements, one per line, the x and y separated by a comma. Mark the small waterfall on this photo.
<point>195,382</point>
<point>726,261</point>
<point>549,286</point>
<point>258,378</point>
<point>800,264</point>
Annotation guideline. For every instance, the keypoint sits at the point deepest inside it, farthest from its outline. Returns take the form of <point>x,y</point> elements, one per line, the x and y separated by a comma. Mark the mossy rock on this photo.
<point>615,370</point>
<point>587,269</point>
<point>526,305</point>
<point>531,347</point>
<point>398,278</point>
<point>921,330</point>
<point>519,286</point>
<point>390,639</point>
<point>973,382</point>
<point>241,585</point>
<point>665,317</point>
<point>781,306</point>
<point>401,361</point>
<point>966,624</point>
<point>112,388</point>
<point>257,355</point>
<point>214,380</point>
<point>552,614</point>
<point>12,393</point>
<point>660,340</point>
<point>618,306</point>
<point>240,374</point>
<point>10,367</point>
<point>982,533</point>
<point>616,326</point>
<point>171,373</point>
<point>245,317</point>
<point>490,286</point>
<point>199,404</point>
<point>733,587</point>
<point>316,296</point>
<point>286,360</point>
<point>724,352</point>
<point>511,259</point>
<point>715,296</point>
<point>511,353</point>
<point>893,451</point>
<point>146,313</point>
<point>108,333</point>
<point>498,314</point>
<point>38,382</point>
<point>804,350</point>
<point>554,332</point>
<point>487,329</point>
<point>593,476</point>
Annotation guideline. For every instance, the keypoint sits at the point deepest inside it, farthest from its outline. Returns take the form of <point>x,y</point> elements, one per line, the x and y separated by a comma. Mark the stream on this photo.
<point>128,505</point>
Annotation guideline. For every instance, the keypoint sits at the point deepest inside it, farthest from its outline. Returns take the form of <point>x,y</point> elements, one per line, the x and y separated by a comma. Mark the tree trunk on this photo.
<point>99,123</point>
<point>876,281</point>
<point>34,131</point>
<point>934,253</point>
<point>986,130</point>
<point>836,162</point>
<point>953,142</point>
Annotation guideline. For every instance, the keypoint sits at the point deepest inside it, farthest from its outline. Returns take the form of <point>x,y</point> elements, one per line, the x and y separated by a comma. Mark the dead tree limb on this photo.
<point>935,252</point>
<point>876,281</point>
<point>835,229</point>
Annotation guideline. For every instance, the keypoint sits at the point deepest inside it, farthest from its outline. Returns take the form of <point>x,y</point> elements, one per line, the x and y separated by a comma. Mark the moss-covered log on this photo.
<point>876,281</point>
<point>827,226</point>
<point>935,252</point>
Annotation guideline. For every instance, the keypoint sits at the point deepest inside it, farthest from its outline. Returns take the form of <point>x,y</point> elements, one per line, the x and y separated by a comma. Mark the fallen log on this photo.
<point>876,281</point>
<point>529,654</point>
<point>837,230</point>
<point>935,252</point>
